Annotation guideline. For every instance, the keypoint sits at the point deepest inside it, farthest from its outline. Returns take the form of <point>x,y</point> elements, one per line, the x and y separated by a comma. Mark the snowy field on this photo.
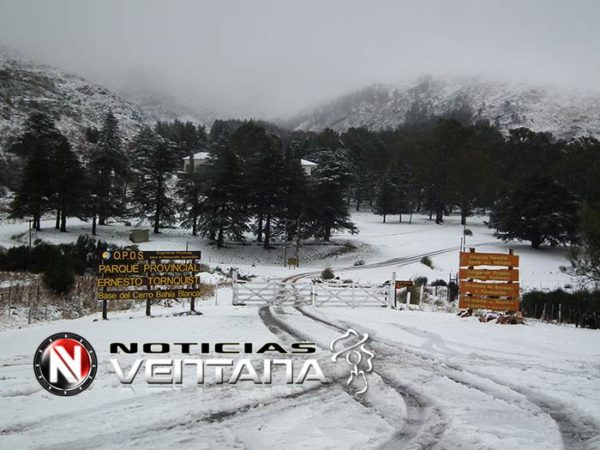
<point>438,381</point>
<point>384,247</point>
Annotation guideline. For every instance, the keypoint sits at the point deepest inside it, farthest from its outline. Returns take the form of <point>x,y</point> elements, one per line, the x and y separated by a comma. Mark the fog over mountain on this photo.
<point>272,58</point>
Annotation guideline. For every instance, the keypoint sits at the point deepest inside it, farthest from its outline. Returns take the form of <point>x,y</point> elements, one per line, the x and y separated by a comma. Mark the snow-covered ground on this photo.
<point>384,247</point>
<point>438,381</point>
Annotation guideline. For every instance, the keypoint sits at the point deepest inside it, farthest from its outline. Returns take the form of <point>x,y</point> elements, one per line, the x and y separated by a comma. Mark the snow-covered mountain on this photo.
<point>73,102</point>
<point>566,112</point>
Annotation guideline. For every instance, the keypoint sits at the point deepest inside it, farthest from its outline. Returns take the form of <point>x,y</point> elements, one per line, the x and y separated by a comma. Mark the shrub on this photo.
<point>467,232</point>
<point>426,260</point>
<point>421,281</point>
<point>327,274</point>
<point>438,283</point>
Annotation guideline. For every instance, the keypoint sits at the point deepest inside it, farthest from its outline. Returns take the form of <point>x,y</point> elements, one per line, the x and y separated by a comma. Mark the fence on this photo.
<point>317,294</point>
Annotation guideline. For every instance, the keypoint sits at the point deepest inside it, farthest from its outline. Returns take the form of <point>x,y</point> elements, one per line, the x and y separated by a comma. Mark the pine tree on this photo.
<point>108,171</point>
<point>327,208</point>
<point>49,164</point>
<point>222,210</point>
<point>67,183</point>
<point>539,210</point>
<point>154,161</point>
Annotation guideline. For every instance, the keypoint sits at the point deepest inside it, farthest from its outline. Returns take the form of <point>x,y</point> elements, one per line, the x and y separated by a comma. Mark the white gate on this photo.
<point>317,294</point>
<point>350,294</point>
<point>271,293</point>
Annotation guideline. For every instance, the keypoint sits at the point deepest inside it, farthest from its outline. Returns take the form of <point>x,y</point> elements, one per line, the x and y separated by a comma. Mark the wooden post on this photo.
<point>193,304</point>
<point>29,304</point>
<point>104,309</point>
<point>148,306</point>
<point>392,294</point>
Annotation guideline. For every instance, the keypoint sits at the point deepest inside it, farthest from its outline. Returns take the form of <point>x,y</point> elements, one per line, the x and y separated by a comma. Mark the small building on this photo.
<point>200,159</point>
<point>308,166</point>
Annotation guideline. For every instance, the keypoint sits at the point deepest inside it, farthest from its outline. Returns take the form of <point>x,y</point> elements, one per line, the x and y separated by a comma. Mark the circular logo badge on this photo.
<point>65,364</point>
<point>106,255</point>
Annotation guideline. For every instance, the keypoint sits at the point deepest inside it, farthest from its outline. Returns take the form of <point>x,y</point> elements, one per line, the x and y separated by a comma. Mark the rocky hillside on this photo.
<point>566,112</point>
<point>74,103</point>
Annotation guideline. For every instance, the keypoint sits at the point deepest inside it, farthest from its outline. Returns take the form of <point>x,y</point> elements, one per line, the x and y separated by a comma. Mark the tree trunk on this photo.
<point>267,231</point>
<point>384,218</point>
<point>439,216</point>
<point>194,208</point>
<point>63,221</point>
<point>57,225</point>
<point>259,229</point>
<point>94,225</point>
<point>400,218</point>
<point>220,238</point>
<point>327,234</point>
<point>463,217</point>
<point>158,206</point>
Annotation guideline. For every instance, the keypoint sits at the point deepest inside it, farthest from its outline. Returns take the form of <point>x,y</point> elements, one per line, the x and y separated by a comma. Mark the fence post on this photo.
<point>217,293</point>
<point>235,287</point>
<point>29,304</point>
<point>392,293</point>
<point>353,295</point>
<point>313,296</point>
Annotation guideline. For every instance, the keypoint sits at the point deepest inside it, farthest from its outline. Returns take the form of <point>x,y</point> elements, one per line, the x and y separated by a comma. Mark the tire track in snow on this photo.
<point>577,430</point>
<point>425,423</point>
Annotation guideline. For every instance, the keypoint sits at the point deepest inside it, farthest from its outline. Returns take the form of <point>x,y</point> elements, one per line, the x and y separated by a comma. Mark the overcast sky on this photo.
<point>270,58</point>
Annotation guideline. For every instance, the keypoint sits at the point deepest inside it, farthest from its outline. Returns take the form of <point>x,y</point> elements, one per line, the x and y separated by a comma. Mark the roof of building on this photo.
<point>306,162</point>
<point>199,156</point>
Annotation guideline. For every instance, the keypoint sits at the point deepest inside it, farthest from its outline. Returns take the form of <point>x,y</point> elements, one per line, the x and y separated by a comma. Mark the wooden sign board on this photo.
<point>490,289</point>
<point>468,259</point>
<point>493,304</point>
<point>163,294</point>
<point>404,283</point>
<point>489,275</point>
<point>135,256</point>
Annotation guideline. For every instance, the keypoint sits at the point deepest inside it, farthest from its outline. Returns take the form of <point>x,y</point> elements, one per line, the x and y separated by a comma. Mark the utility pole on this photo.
<point>95,200</point>
<point>30,222</point>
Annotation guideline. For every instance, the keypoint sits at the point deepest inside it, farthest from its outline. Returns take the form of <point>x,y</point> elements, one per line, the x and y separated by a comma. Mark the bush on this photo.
<point>439,283</point>
<point>421,281</point>
<point>426,260</point>
<point>327,274</point>
<point>467,232</point>
<point>59,278</point>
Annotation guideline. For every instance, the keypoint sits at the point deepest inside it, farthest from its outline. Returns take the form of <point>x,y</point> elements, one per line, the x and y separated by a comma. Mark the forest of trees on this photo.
<point>535,188</point>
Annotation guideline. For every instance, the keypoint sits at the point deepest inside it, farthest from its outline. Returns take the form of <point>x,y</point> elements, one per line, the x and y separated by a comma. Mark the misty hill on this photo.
<point>153,97</point>
<point>73,102</point>
<point>566,112</point>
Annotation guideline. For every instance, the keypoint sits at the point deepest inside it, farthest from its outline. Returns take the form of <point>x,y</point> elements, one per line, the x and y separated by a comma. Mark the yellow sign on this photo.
<point>490,289</point>
<point>468,259</point>
<point>489,275</point>
<point>488,303</point>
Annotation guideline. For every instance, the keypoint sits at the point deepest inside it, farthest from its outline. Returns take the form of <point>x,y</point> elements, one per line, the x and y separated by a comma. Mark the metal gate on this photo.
<point>351,294</point>
<point>271,293</point>
<point>317,294</point>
